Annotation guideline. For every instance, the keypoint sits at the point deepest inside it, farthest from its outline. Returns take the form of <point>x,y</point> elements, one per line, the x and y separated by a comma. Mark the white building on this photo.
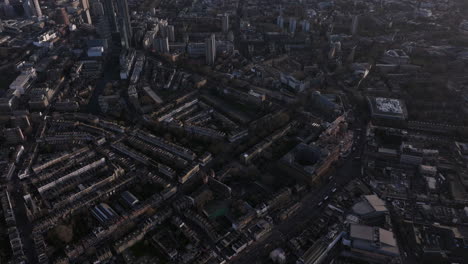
<point>24,80</point>
<point>45,39</point>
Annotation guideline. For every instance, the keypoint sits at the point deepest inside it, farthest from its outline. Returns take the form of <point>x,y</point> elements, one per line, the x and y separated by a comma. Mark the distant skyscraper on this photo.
<point>29,9</point>
<point>354,25</point>
<point>97,9</point>
<point>102,19</point>
<point>280,21</point>
<point>61,16</point>
<point>210,49</point>
<point>32,8</point>
<point>251,49</point>
<point>123,19</point>
<point>333,51</point>
<point>305,26</point>
<point>161,45</point>
<point>170,33</point>
<point>225,23</point>
<point>163,28</point>
<point>37,8</point>
<point>8,10</point>
<point>109,13</point>
<point>103,28</point>
<point>85,4</point>
<point>351,55</point>
<point>292,25</point>
<point>230,36</point>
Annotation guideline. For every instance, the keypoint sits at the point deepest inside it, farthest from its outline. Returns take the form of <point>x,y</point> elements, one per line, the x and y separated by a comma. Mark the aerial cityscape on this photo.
<point>233,131</point>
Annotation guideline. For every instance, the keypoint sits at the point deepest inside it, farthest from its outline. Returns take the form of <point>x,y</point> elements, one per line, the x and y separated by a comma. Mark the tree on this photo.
<point>60,235</point>
<point>168,137</point>
<point>216,148</point>
<point>252,171</point>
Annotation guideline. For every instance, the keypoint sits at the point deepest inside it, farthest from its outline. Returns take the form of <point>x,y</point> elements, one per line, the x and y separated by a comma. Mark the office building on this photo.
<point>103,28</point>
<point>354,25</point>
<point>292,25</point>
<point>125,28</point>
<point>61,16</point>
<point>109,13</point>
<point>210,50</point>
<point>225,23</point>
<point>196,50</point>
<point>103,213</point>
<point>371,210</point>
<point>170,33</point>
<point>129,198</point>
<point>127,59</point>
<point>388,111</point>
<point>13,135</point>
<point>97,9</point>
<point>8,10</point>
<point>32,8</point>
<point>103,18</point>
<point>463,27</point>
<point>280,21</point>
<point>371,244</point>
<point>28,7</point>
<point>85,4</point>
<point>161,45</point>
<point>305,26</point>
<point>24,81</point>
<point>230,36</point>
<point>396,56</point>
<point>37,8</point>
<point>9,101</point>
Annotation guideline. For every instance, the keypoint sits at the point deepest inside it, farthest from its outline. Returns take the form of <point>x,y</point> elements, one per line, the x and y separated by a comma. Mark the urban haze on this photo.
<point>233,131</point>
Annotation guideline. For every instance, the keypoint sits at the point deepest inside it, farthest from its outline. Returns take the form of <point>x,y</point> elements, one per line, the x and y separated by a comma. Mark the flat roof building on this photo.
<point>103,212</point>
<point>24,80</point>
<point>129,198</point>
<point>371,209</point>
<point>387,109</point>
<point>372,244</point>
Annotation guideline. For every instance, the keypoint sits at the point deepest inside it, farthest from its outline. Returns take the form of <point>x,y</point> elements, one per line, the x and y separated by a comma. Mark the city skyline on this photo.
<point>233,132</point>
